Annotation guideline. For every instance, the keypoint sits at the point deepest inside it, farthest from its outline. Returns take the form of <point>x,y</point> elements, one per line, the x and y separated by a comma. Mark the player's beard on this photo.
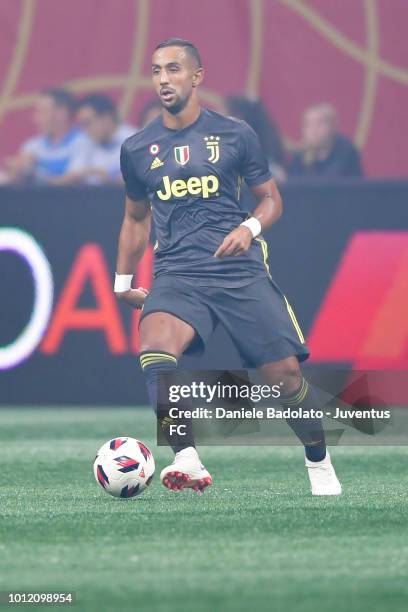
<point>178,105</point>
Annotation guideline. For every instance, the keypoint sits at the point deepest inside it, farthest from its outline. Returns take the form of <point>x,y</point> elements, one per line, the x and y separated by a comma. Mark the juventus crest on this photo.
<point>213,145</point>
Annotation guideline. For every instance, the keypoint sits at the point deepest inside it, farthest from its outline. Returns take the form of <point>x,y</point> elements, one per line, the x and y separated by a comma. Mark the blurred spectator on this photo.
<point>150,111</point>
<point>99,161</point>
<point>325,152</point>
<point>49,154</point>
<point>256,115</point>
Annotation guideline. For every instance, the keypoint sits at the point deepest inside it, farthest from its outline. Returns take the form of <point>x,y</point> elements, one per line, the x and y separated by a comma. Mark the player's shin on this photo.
<point>178,431</point>
<point>309,430</point>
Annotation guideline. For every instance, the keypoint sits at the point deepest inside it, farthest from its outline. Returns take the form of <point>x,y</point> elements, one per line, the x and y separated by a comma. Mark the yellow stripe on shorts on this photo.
<point>264,247</point>
<point>294,321</point>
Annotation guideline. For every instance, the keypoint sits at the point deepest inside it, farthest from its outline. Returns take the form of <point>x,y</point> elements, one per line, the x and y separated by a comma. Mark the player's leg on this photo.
<point>265,330</point>
<point>163,338</point>
<point>299,394</point>
<point>174,320</point>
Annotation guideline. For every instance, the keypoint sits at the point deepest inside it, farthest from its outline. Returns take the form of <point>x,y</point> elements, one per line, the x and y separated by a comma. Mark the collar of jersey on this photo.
<point>192,125</point>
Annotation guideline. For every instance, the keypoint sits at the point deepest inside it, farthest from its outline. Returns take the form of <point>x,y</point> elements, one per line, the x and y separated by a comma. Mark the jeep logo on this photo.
<point>204,186</point>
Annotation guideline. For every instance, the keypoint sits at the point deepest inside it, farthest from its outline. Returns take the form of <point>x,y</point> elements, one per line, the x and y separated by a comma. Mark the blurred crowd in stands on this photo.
<point>78,141</point>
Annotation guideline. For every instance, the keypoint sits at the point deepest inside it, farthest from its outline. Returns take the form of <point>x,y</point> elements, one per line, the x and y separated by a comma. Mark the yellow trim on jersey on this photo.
<point>264,247</point>
<point>294,321</point>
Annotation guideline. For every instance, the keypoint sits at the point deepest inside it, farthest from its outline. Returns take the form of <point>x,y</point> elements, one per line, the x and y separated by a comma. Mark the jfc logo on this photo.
<point>213,145</point>
<point>182,154</point>
<point>195,185</point>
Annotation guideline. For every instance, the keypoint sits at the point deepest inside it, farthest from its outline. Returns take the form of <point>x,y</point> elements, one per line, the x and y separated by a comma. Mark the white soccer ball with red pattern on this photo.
<point>124,467</point>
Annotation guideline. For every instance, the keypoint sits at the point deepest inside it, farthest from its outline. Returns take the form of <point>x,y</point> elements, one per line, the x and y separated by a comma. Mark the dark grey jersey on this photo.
<point>192,179</point>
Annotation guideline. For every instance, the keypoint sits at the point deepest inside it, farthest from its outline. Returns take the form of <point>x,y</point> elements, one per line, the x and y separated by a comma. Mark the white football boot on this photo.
<point>322,477</point>
<point>186,471</point>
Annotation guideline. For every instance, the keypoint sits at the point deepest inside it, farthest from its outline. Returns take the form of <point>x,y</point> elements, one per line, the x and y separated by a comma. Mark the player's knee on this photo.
<point>286,373</point>
<point>158,339</point>
<point>292,379</point>
<point>158,345</point>
<point>164,332</point>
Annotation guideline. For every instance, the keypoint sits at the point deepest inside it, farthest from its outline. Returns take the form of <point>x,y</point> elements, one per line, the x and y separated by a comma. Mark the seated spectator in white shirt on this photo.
<point>99,162</point>
<point>48,155</point>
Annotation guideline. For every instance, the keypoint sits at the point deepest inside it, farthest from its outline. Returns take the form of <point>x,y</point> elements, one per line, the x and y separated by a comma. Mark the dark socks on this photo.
<point>153,364</point>
<point>309,431</point>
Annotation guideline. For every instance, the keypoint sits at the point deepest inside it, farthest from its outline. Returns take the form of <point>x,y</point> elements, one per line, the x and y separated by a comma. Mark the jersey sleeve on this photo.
<point>253,164</point>
<point>135,189</point>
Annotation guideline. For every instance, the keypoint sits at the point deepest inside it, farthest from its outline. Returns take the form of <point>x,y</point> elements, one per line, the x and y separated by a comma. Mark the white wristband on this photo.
<point>123,282</point>
<point>254,225</point>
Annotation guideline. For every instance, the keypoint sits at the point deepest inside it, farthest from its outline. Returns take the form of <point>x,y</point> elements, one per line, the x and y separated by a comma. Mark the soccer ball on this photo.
<point>124,467</point>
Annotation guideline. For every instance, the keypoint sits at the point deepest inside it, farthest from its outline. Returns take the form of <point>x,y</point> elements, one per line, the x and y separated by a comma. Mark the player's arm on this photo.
<point>267,211</point>
<point>133,240</point>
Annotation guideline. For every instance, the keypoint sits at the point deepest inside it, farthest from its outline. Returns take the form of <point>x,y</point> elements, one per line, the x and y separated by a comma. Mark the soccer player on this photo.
<point>184,169</point>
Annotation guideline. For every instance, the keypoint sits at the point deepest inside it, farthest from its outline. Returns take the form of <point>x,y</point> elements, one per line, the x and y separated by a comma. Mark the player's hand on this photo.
<point>236,242</point>
<point>133,297</point>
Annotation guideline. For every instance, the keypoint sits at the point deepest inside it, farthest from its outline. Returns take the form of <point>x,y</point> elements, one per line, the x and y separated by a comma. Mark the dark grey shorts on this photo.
<point>258,317</point>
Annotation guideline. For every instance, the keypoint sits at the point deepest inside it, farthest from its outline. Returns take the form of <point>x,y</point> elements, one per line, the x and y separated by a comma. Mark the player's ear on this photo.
<point>198,76</point>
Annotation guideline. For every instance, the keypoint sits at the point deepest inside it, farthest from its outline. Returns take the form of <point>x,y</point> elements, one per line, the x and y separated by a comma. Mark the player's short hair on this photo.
<point>100,103</point>
<point>61,97</point>
<point>186,44</point>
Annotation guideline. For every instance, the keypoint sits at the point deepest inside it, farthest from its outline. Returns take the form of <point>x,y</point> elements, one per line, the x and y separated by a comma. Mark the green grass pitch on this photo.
<point>255,541</point>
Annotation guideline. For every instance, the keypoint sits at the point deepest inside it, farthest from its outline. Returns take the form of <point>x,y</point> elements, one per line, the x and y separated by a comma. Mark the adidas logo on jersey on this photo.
<point>195,185</point>
<point>156,163</point>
